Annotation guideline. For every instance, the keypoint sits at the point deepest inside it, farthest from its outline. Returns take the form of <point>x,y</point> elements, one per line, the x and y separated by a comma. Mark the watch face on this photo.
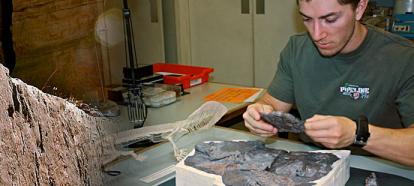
<point>360,142</point>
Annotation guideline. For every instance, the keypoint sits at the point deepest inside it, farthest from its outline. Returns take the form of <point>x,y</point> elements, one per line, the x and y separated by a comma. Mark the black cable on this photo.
<point>112,172</point>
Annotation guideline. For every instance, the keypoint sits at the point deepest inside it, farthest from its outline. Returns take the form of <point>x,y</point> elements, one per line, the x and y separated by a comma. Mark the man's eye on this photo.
<point>331,20</point>
<point>306,19</point>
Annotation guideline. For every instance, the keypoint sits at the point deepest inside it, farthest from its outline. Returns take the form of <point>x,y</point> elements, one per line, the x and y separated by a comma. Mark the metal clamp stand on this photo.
<point>137,110</point>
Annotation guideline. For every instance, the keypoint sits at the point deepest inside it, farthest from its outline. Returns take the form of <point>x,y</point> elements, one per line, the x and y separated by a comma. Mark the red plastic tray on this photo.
<point>189,76</point>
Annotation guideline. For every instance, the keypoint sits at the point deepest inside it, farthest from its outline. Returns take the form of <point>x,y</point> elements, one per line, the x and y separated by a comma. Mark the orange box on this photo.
<point>189,76</point>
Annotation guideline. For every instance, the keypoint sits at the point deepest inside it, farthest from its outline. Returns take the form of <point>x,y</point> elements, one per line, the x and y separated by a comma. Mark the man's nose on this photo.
<point>319,32</point>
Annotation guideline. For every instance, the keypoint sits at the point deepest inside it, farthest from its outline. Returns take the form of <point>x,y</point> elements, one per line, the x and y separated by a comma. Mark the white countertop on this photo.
<point>160,157</point>
<point>178,110</point>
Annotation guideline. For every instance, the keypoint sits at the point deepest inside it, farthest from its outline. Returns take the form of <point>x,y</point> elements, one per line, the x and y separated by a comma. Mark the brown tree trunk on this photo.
<point>45,140</point>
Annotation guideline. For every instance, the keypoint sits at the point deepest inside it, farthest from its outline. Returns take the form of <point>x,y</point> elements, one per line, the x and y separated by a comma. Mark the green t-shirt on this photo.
<point>377,80</point>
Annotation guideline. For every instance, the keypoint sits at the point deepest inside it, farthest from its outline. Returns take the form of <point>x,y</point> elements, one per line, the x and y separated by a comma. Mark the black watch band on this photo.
<point>362,131</point>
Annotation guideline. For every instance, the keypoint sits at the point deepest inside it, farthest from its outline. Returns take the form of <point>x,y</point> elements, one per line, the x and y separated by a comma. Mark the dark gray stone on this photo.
<point>303,167</point>
<point>371,180</point>
<point>284,122</point>
<point>216,158</point>
<point>251,163</point>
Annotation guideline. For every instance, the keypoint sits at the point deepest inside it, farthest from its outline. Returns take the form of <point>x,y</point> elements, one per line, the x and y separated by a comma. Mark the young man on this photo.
<point>338,71</point>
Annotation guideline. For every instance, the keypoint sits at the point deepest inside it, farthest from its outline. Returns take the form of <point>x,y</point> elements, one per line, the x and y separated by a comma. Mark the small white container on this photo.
<point>161,99</point>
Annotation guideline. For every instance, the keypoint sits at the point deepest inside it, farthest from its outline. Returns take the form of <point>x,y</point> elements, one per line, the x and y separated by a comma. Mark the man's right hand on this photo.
<point>254,123</point>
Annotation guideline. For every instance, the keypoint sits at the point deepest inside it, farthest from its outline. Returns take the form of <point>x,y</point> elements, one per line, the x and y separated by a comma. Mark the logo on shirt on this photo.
<point>354,91</point>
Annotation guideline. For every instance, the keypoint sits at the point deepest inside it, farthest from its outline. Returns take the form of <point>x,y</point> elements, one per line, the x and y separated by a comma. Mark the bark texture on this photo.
<point>45,140</point>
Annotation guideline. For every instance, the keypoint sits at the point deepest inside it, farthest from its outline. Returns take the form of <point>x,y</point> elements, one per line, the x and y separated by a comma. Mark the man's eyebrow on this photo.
<point>322,17</point>
<point>330,14</point>
<point>304,15</point>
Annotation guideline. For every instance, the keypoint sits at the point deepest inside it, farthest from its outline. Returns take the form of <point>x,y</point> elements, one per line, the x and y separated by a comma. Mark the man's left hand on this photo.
<point>331,131</point>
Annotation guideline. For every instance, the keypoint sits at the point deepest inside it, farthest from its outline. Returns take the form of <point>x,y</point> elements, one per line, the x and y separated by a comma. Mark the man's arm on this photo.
<point>337,132</point>
<point>266,104</point>
<point>276,104</point>
<point>393,144</point>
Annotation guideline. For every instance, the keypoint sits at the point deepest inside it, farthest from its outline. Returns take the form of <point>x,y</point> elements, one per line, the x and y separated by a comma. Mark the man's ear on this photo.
<point>360,9</point>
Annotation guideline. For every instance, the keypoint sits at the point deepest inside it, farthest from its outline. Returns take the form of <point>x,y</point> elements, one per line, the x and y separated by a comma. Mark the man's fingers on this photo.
<point>330,131</point>
<point>259,125</point>
<point>317,117</point>
<point>322,140</point>
<point>251,120</point>
<point>258,131</point>
<point>254,123</point>
<point>318,124</point>
<point>261,133</point>
<point>255,110</point>
<point>251,113</point>
<point>267,109</point>
<point>319,133</point>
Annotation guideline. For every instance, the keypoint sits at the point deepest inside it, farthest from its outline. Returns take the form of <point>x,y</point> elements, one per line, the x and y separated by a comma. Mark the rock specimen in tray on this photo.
<point>284,122</point>
<point>251,163</point>
<point>45,140</point>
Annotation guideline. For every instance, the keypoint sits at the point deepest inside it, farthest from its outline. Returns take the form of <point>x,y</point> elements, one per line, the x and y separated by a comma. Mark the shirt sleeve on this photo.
<point>281,87</point>
<point>405,99</point>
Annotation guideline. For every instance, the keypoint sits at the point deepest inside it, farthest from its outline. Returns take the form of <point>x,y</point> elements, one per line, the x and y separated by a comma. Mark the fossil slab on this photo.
<point>252,163</point>
<point>284,122</point>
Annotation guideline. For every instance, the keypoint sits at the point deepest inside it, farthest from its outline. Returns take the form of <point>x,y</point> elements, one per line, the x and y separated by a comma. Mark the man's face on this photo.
<point>330,24</point>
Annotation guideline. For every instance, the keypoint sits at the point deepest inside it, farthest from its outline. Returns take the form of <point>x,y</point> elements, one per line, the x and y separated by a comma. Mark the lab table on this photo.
<point>183,107</point>
<point>157,165</point>
<point>158,161</point>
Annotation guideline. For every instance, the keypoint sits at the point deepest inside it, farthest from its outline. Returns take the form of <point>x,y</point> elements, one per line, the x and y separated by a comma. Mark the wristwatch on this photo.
<point>362,131</point>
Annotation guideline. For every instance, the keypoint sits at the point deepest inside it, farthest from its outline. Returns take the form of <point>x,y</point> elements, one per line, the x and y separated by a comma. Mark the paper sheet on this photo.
<point>234,95</point>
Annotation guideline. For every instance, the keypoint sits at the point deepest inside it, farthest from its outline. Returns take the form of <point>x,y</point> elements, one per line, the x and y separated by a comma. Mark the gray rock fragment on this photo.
<point>284,122</point>
<point>216,158</point>
<point>371,180</point>
<point>251,163</point>
<point>301,166</point>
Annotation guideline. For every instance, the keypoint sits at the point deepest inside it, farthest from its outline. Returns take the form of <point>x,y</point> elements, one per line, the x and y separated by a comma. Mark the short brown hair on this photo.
<point>354,3</point>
